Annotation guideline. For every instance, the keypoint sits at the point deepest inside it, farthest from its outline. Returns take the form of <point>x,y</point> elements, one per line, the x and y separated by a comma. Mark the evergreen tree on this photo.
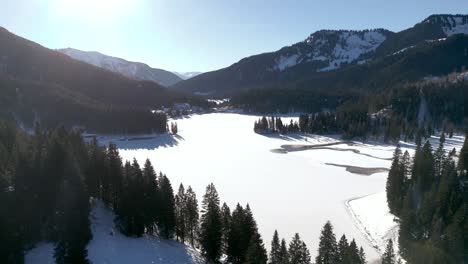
<point>463,161</point>
<point>298,252</point>
<point>210,226</point>
<point>283,253</point>
<point>256,252</point>
<point>151,197</point>
<point>71,221</point>
<point>327,251</point>
<point>362,256</point>
<point>342,249</point>
<point>167,219</point>
<point>352,255</point>
<point>191,208</point>
<point>389,255</point>
<point>275,249</point>
<point>226,224</point>
<point>180,211</point>
<point>396,183</point>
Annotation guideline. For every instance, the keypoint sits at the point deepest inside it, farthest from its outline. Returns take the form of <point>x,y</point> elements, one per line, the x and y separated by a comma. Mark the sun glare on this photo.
<point>94,10</point>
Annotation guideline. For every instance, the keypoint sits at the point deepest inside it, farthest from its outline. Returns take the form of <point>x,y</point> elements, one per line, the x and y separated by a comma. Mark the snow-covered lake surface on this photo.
<point>291,192</point>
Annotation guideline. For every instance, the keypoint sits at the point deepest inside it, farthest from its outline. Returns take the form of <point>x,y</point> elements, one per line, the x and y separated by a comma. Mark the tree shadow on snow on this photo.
<point>144,142</point>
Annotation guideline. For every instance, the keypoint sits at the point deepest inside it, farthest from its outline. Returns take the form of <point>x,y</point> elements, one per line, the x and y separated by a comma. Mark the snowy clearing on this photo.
<point>109,246</point>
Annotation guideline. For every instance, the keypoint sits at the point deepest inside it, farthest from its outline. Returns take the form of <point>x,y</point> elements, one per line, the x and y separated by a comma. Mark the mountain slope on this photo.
<point>322,51</point>
<point>39,84</point>
<point>134,70</point>
<point>330,89</point>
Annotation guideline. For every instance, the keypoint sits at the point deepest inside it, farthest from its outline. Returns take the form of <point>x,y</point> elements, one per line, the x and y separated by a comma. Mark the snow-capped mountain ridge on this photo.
<point>134,70</point>
<point>331,48</point>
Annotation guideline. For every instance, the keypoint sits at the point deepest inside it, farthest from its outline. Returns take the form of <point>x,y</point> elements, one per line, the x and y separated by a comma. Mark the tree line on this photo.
<point>428,194</point>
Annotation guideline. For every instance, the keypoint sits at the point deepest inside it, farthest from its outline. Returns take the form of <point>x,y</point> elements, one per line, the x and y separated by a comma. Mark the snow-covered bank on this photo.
<point>110,246</point>
<point>371,215</point>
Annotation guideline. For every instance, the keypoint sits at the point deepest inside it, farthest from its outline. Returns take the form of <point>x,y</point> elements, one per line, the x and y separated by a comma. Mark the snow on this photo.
<point>42,253</point>
<point>109,246</point>
<point>332,47</point>
<point>286,61</point>
<point>293,192</point>
<point>187,75</point>
<point>135,70</point>
<point>352,45</point>
<point>373,218</point>
<point>286,191</point>
<point>457,26</point>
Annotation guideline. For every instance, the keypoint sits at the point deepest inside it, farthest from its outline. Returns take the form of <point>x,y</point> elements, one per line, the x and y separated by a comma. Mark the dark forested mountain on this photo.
<point>39,84</point>
<point>323,52</point>
<point>134,70</point>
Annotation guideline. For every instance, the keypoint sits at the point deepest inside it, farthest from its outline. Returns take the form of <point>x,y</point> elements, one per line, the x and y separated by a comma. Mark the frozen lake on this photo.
<point>292,192</point>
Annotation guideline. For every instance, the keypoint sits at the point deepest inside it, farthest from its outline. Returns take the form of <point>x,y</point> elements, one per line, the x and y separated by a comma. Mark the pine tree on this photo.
<point>210,226</point>
<point>256,252</point>
<point>463,160</point>
<point>226,224</point>
<point>192,216</point>
<point>353,253</point>
<point>342,249</point>
<point>151,197</point>
<point>283,253</point>
<point>275,249</point>
<point>180,210</point>
<point>71,219</point>
<point>439,157</point>
<point>389,255</point>
<point>167,214</point>
<point>298,252</point>
<point>395,182</point>
<point>362,256</point>
<point>327,251</point>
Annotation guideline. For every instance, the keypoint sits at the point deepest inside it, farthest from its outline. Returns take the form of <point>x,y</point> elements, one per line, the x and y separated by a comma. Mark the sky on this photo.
<point>202,35</point>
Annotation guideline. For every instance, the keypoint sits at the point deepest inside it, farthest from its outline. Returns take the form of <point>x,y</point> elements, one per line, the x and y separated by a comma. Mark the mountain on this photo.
<point>378,77</point>
<point>134,70</point>
<point>187,75</point>
<point>43,85</point>
<point>322,52</point>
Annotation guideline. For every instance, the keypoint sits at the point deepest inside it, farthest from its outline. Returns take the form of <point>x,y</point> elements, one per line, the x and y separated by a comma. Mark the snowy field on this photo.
<point>291,192</point>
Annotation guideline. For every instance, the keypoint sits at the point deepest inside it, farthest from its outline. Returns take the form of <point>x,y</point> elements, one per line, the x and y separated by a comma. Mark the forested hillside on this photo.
<point>42,85</point>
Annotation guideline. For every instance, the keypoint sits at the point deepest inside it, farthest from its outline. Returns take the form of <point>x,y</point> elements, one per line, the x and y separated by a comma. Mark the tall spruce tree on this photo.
<point>226,225</point>
<point>180,214</point>
<point>256,252</point>
<point>283,253</point>
<point>389,255</point>
<point>210,225</point>
<point>298,252</point>
<point>167,214</point>
<point>328,249</point>
<point>275,249</point>
<point>191,213</point>
<point>343,246</point>
<point>395,182</point>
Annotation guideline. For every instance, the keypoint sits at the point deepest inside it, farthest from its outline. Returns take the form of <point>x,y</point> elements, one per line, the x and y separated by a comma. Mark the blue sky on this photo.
<point>202,35</point>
